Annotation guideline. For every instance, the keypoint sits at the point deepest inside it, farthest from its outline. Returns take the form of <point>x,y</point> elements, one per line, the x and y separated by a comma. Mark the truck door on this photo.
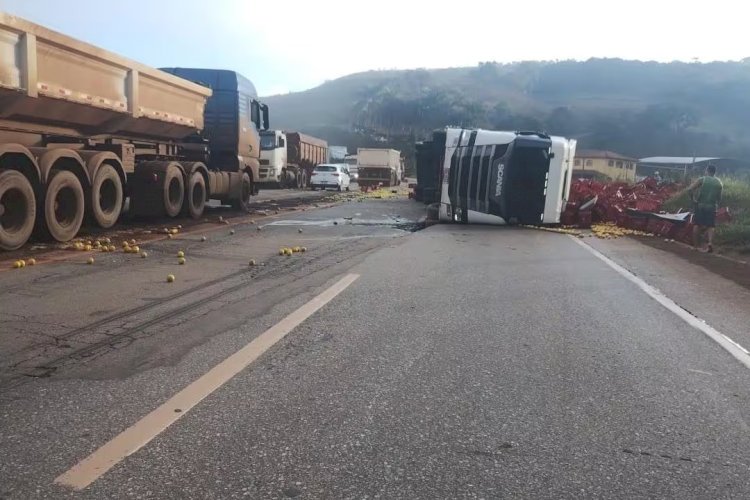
<point>505,180</point>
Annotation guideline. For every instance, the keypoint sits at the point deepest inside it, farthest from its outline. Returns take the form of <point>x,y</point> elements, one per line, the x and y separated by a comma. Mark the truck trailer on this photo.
<point>496,177</point>
<point>82,129</point>
<point>287,159</point>
<point>379,167</point>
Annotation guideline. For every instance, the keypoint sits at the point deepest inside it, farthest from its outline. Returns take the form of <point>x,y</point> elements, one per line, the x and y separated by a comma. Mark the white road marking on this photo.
<point>699,371</point>
<point>142,432</point>
<point>732,347</point>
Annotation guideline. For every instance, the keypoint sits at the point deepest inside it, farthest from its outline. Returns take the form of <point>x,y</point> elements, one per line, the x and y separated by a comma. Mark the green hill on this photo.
<point>632,107</point>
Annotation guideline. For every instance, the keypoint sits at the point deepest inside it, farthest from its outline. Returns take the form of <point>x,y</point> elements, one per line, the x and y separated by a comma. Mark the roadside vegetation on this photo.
<point>734,236</point>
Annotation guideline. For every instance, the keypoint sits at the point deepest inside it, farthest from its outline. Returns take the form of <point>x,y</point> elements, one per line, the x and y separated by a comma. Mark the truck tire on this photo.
<point>64,206</point>
<point>173,192</point>
<point>246,191</point>
<point>301,179</point>
<point>17,209</point>
<point>195,196</point>
<point>106,197</point>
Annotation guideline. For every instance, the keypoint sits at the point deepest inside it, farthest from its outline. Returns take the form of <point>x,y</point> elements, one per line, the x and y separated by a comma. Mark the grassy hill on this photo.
<point>636,108</point>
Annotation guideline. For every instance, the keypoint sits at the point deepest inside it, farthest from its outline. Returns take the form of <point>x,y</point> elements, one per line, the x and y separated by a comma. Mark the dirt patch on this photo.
<point>730,268</point>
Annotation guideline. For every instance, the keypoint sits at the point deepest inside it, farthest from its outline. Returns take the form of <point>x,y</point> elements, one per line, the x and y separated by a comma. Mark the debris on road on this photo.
<point>170,278</point>
<point>592,201</point>
<point>610,230</point>
<point>618,209</point>
<point>561,230</point>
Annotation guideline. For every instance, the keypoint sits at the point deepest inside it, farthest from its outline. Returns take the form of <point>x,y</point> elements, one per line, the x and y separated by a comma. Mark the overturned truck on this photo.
<point>495,177</point>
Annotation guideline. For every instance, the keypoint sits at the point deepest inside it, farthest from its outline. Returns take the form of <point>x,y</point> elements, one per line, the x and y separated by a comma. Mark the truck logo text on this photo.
<point>499,183</point>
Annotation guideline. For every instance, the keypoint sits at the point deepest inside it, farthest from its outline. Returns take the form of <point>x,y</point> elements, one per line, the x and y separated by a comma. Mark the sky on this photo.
<point>294,45</point>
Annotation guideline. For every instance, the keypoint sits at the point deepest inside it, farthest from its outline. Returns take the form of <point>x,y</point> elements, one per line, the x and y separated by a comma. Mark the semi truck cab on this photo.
<point>498,177</point>
<point>273,157</point>
<point>288,158</point>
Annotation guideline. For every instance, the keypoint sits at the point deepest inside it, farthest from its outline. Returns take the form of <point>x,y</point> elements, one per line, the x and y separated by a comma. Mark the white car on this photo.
<point>330,176</point>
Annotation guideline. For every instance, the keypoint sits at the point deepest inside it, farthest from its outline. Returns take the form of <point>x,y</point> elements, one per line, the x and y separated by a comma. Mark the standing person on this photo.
<point>709,190</point>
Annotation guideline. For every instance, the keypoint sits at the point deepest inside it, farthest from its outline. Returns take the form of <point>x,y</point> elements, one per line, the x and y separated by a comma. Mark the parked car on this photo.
<point>330,176</point>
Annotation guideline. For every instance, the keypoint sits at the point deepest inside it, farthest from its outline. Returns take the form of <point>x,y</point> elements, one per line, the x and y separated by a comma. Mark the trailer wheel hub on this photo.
<point>198,195</point>
<point>175,191</point>
<point>66,207</point>
<point>107,196</point>
<point>12,210</point>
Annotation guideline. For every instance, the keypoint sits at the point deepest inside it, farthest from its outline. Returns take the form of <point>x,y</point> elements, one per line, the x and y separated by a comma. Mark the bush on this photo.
<point>735,235</point>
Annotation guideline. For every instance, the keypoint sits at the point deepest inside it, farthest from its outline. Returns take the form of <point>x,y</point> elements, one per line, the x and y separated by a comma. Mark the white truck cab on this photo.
<point>499,177</point>
<point>273,156</point>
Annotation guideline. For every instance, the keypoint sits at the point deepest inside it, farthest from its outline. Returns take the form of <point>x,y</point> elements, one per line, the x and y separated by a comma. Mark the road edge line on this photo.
<point>154,423</point>
<point>729,345</point>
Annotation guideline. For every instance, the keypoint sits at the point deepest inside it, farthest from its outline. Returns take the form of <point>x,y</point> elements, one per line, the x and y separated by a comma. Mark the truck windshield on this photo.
<point>267,141</point>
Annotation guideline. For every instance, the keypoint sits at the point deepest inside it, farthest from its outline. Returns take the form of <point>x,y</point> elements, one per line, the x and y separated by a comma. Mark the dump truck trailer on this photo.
<point>82,129</point>
<point>287,159</point>
<point>496,177</point>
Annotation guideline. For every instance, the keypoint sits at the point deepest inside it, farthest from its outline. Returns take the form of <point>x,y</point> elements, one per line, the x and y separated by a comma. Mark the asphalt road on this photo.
<point>463,362</point>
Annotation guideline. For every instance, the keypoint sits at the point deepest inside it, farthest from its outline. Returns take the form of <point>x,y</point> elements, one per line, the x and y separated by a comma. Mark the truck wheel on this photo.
<point>106,197</point>
<point>64,206</point>
<point>245,193</point>
<point>17,209</point>
<point>195,197</point>
<point>173,192</point>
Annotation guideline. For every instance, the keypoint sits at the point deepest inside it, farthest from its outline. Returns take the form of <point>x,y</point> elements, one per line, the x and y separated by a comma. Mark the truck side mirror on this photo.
<point>264,109</point>
<point>282,143</point>
<point>255,113</point>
